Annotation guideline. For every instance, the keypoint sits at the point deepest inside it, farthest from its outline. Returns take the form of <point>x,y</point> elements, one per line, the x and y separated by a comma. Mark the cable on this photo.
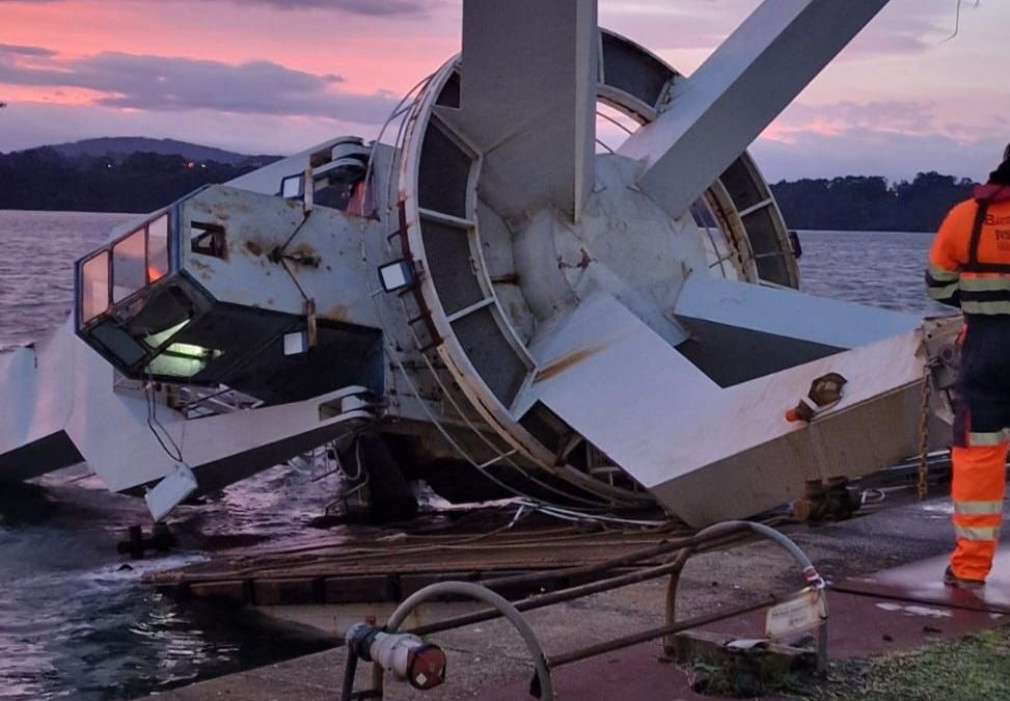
<point>152,421</point>
<point>360,473</point>
<point>957,20</point>
<point>301,225</point>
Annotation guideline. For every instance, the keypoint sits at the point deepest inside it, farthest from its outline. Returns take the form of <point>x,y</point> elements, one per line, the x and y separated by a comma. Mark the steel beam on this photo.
<point>528,103</point>
<point>738,91</point>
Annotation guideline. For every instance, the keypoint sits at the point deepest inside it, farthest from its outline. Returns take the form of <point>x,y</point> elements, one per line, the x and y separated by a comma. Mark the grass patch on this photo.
<point>975,668</point>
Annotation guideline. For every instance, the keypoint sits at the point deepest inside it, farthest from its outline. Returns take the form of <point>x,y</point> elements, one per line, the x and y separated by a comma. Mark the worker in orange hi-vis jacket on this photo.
<point>969,267</point>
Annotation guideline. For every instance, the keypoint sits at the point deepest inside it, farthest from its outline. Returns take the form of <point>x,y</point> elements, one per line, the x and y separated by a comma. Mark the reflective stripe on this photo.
<point>945,292</point>
<point>985,284</point>
<point>978,508</point>
<point>985,308</point>
<point>976,533</point>
<point>941,275</point>
<point>987,438</point>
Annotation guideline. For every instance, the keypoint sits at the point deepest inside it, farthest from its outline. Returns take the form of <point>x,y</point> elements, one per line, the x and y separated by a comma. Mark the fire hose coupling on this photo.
<point>814,578</point>
<point>405,656</point>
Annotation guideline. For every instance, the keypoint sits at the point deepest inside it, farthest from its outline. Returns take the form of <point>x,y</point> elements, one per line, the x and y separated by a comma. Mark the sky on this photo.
<point>277,76</point>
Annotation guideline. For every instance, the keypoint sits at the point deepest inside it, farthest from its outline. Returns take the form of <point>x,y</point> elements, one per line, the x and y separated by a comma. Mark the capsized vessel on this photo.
<point>490,301</point>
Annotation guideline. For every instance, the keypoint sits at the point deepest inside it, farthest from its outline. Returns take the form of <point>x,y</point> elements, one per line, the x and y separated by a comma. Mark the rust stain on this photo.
<point>565,362</point>
<point>584,261</point>
<point>338,312</point>
<point>304,254</point>
<point>254,247</point>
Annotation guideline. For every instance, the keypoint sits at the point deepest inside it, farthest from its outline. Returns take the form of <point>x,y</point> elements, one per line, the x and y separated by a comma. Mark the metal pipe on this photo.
<point>501,606</point>
<point>685,548</point>
<point>536,602</point>
<point>645,636</point>
<point>350,670</point>
<point>809,572</point>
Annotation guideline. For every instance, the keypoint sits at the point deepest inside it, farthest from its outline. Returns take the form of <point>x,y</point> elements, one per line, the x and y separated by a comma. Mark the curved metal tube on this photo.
<point>762,530</point>
<point>809,572</point>
<point>475,591</point>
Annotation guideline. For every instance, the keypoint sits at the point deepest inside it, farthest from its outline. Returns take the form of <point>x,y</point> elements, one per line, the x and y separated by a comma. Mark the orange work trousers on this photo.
<point>982,418</point>
<point>977,488</point>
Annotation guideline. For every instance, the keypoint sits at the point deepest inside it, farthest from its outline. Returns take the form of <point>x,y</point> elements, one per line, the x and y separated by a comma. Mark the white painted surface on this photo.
<point>660,418</point>
<point>738,91</point>
<point>529,101</point>
<point>789,314</point>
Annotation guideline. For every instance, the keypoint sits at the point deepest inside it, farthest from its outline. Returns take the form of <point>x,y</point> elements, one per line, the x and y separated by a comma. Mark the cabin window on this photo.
<point>94,286</point>
<point>129,272</point>
<point>157,249</point>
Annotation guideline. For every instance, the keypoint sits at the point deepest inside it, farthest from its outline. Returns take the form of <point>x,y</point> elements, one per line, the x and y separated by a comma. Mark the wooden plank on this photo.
<point>233,591</point>
<point>287,592</point>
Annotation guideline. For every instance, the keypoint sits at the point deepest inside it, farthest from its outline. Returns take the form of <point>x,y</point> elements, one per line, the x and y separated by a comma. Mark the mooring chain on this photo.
<point>921,486</point>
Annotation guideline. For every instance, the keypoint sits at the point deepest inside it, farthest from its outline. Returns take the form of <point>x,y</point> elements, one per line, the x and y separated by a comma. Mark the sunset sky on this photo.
<point>277,76</point>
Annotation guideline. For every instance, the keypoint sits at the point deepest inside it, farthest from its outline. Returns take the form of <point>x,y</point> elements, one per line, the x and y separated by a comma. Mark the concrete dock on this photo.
<point>883,569</point>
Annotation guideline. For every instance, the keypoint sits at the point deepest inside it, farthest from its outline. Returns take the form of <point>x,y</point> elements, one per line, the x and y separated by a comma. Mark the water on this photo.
<point>880,269</point>
<point>36,267</point>
<point>74,625</point>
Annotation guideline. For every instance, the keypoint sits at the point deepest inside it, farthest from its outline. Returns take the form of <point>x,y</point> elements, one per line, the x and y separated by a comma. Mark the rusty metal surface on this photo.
<point>921,582</point>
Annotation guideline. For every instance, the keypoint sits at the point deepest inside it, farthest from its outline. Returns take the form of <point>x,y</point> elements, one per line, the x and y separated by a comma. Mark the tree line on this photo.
<point>858,203</point>
<point>44,179</point>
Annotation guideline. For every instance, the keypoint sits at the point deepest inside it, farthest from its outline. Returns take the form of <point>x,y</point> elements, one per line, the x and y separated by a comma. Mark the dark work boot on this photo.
<point>952,580</point>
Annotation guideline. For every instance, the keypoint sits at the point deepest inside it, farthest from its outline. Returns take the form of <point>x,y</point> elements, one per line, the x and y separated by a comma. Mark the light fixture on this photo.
<point>293,187</point>
<point>397,275</point>
<point>296,343</point>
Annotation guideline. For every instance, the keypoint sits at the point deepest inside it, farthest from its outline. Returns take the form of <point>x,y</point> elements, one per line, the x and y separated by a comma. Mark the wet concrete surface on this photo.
<point>489,661</point>
<point>916,582</point>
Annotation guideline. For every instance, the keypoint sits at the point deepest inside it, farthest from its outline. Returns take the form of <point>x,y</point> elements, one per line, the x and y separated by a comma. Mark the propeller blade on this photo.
<point>679,434</point>
<point>528,103</point>
<point>719,111</point>
<point>774,328</point>
<point>787,313</point>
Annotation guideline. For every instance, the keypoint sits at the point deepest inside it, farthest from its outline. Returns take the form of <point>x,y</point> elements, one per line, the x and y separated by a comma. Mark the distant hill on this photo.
<point>117,147</point>
<point>115,175</point>
<point>136,174</point>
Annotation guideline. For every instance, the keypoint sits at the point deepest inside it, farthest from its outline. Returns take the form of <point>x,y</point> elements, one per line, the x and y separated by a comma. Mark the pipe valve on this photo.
<point>405,656</point>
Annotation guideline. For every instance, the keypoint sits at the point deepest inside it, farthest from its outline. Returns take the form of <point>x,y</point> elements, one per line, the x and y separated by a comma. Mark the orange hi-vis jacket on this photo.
<point>969,263</point>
